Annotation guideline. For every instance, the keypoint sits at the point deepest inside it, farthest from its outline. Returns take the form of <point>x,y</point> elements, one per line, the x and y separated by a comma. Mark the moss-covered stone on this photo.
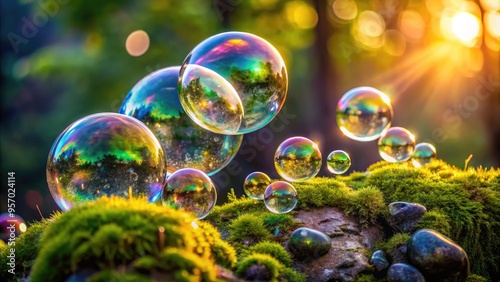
<point>127,239</point>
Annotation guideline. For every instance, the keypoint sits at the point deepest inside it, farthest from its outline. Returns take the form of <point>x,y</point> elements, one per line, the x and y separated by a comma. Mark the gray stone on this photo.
<point>402,272</point>
<point>404,216</point>
<point>437,256</point>
<point>379,261</point>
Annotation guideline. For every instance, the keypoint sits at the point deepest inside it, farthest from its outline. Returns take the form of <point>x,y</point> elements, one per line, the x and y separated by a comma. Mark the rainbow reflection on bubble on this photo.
<point>11,225</point>
<point>364,113</point>
<point>396,145</point>
<point>297,159</point>
<point>280,197</point>
<point>338,162</point>
<point>423,154</point>
<point>154,100</point>
<point>255,184</point>
<point>104,154</point>
<point>191,190</point>
<point>210,100</point>
<point>252,66</point>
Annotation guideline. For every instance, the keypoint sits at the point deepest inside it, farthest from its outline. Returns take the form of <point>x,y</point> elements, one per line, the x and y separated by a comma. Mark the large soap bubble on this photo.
<point>364,113</point>
<point>297,159</point>
<point>251,65</point>
<point>105,154</point>
<point>191,190</point>
<point>396,145</point>
<point>154,100</point>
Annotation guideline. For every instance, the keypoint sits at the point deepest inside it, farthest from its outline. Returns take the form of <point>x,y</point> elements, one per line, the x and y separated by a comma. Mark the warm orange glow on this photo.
<point>301,14</point>
<point>137,43</point>
<point>345,9</point>
<point>492,23</point>
<point>411,24</point>
<point>465,27</point>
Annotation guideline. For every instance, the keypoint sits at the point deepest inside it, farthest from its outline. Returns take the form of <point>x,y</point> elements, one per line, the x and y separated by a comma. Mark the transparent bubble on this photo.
<point>280,197</point>
<point>95,155</point>
<point>297,159</point>
<point>364,113</point>
<point>338,162</point>
<point>210,100</point>
<point>154,100</point>
<point>423,154</point>
<point>255,184</point>
<point>191,190</point>
<point>252,66</point>
<point>11,225</point>
<point>396,145</point>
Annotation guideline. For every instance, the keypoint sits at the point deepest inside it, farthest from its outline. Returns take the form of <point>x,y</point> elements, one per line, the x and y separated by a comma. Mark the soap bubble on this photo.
<point>280,197</point>
<point>191,190</point>
<point>104,154</point>
<point>338,162</point>
<point>297,159</point>
<point>252,66</point>
<point>12,225</point>
<point>154,101</point>
<point>364,113</point>
<point>255,184</point>
<point>210,100</point>
<point>396,145</point>
<point>423,154</point>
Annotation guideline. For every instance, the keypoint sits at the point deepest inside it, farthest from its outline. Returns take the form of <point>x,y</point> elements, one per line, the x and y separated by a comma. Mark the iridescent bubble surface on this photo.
<point>364,113</point>
<point>338,162</point>
<point>11,225</point>
<point>105,154</point>
<point>255,185</point>
<point>210,100</point>
<point>297,159</point>
<point>253,67</point>
<point>154,100</point>
<point>423,154</point>
<point>396,145</point>
<point>280,197</point>
<point>191,190</point>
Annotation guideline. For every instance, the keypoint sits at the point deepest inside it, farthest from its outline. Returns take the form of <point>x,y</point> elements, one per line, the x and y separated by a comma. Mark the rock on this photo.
<point>404,216</point>
<point>437,256</point>
<point>81,275</point>
<point>379,261</point>
<point>348,247</point>
<point>402,272</point>
<point>258,272</point>
<point>308,243</point>
<point>345,263</point>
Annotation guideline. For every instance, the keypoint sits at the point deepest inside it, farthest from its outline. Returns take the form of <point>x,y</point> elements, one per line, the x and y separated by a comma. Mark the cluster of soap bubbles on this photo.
<point>365,114</point>
<point>175,128</point>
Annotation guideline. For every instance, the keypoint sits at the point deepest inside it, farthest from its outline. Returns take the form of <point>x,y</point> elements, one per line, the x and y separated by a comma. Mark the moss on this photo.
<point>114,234</point>
<point>436,221</point>
<point>270,271</point>
<point>26,248</point>
<point>279,224</point>
<point>273,249</point>
<point>223,253</point>
<point>392,247</point>
<point>476,278</point>
<point>248,227</point>
<point>366,278</point>
<point>288,274</point>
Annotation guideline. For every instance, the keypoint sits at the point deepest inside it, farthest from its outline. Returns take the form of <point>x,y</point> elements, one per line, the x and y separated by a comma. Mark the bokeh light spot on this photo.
<point>465,27</point>
<point>345,9</point>
<point>137,43</point>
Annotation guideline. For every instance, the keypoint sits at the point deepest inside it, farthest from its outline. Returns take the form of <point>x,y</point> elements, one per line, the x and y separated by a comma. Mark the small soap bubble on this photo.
<point>255,185</point>
<point>338,162</point>
<point>297,159</point>
<point>423,154</point>
<point>191,190</point>
<point>97,152</point>
<point>154,100</point>
<point>210,100</point>
<point>12,225</point>
<point>396,145</point>
<point>252,66</point>
<point>364,113</point>
<point>280,197</point>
